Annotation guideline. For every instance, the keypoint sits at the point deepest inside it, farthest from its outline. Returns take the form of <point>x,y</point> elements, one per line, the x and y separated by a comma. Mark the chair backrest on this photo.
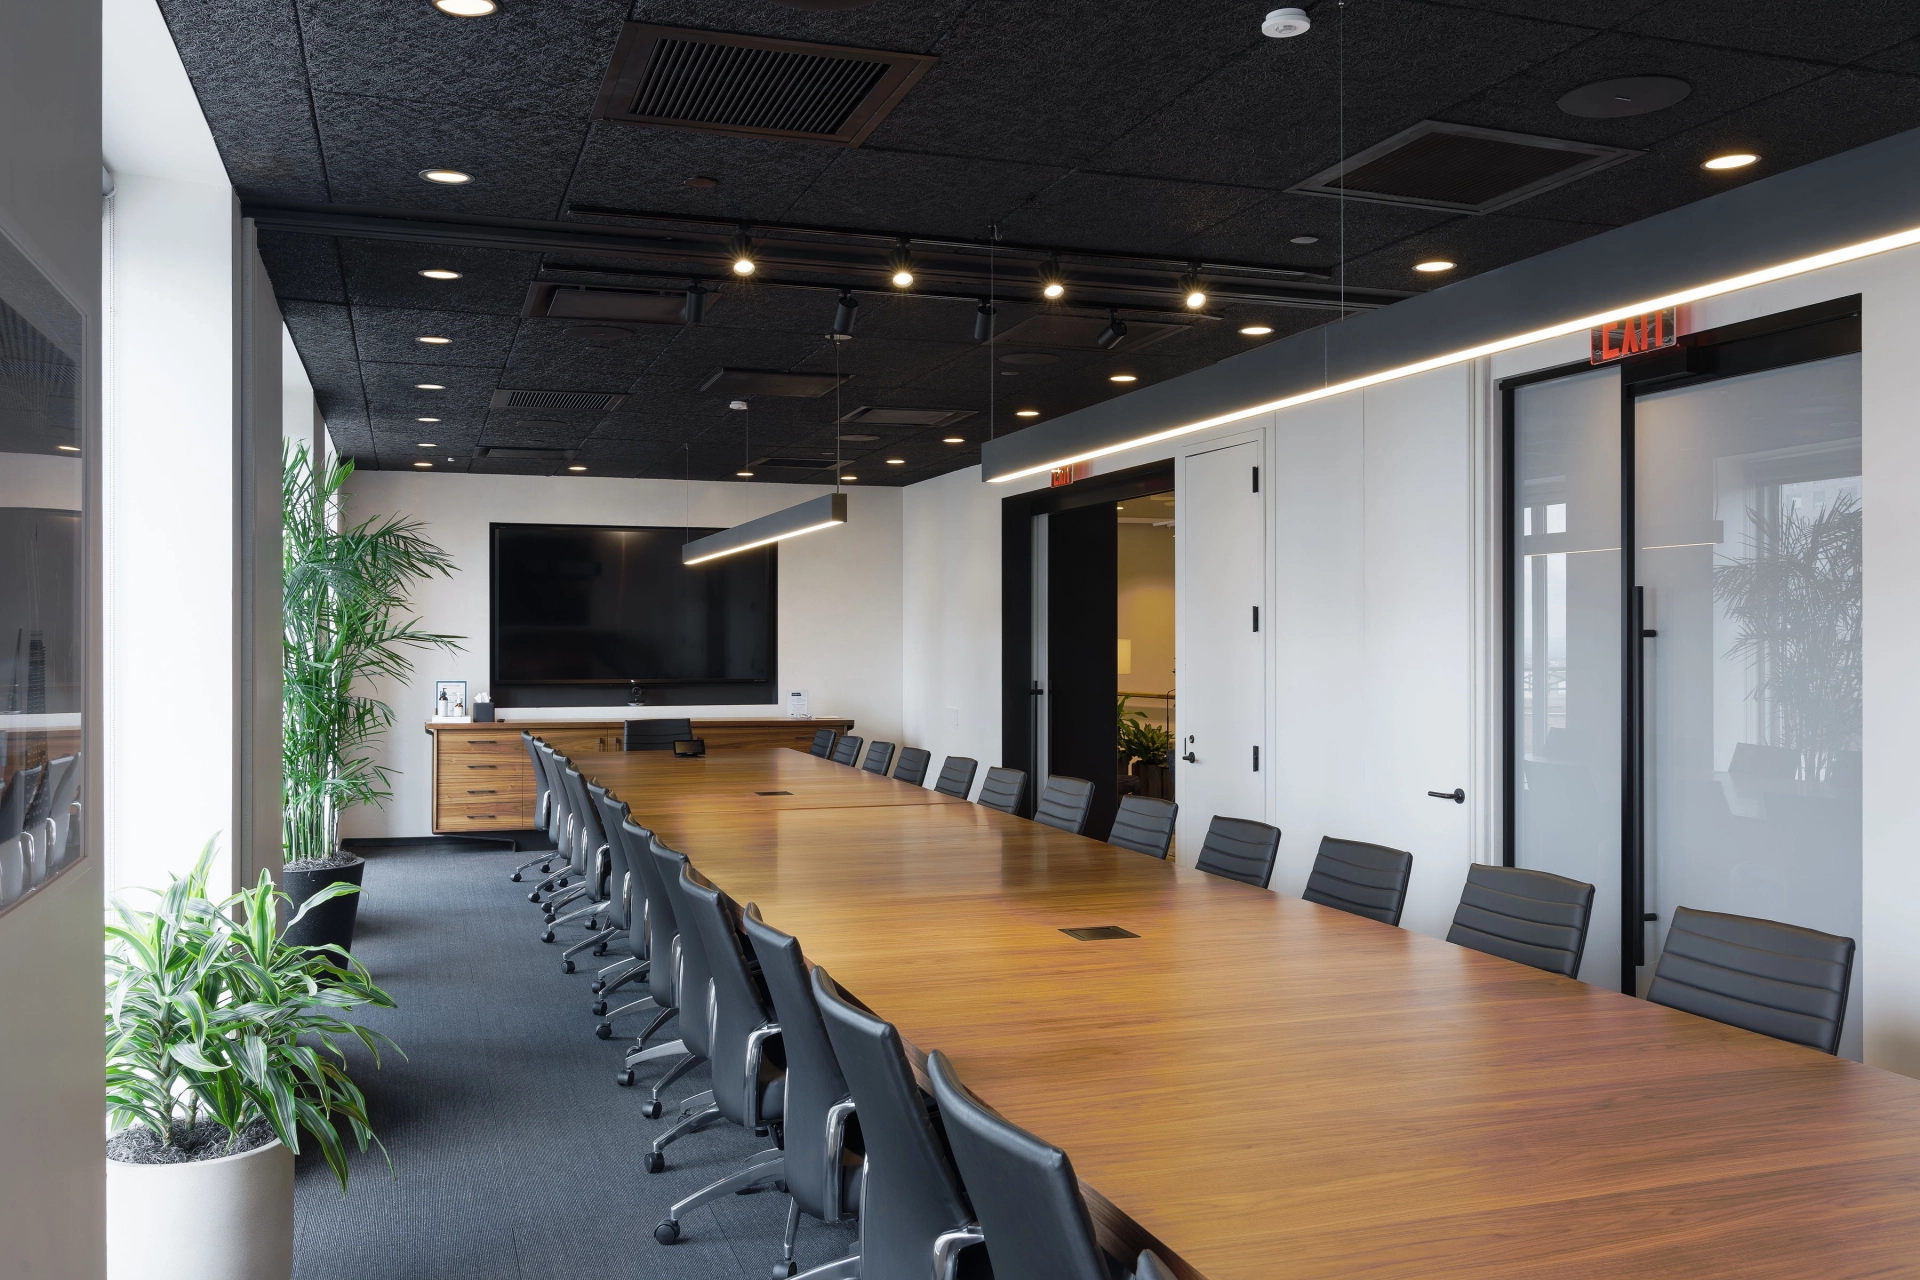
<point>822,743</point>
<point>1024,1191</point>
<point>956,776</point>
<point>738,1009</point>
<point>879,756</point>
<point>1239,849</point>
<point>913,1192</point>
<point>1778,979</point>
<point>913,765</point>
<point>655,735</point>
<point>559,828</point>
<point>1144,825</point>
<point>591,839</point>
<point>620,889</point>
<point>1757,760</point>
<point>847,750</point>
<point>17,799</point>
<point>691,983</point>
<point>541,802</point>
<point>662,925</point>
<point>1064,803</point>
<point>1530,916</point>
<point>1004,789</point>
<point>1366,879</point>
<point>65,775</point>
<point>816,1176</point>
<point>14,855</point>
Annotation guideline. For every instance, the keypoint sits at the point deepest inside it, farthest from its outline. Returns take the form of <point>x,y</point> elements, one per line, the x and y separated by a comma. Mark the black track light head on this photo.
<point>845,314</point>
<point>740,254</point>
<point>900,267</point>
<point>1193,290</point>
<point>1053,281</point>
<point>696,307</point>
<point>983,322</point>
<point>1115,332</point>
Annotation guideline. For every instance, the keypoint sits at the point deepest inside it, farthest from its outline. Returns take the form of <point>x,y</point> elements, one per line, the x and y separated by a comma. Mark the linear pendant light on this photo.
<point>811,516</point>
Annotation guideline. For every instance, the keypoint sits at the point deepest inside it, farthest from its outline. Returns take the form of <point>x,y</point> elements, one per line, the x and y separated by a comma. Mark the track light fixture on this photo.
<point>1115,332</point>
<point>845,314</point>
<point>1193,291</point>
<point>983,322</point>
<point>746,439</point>
<point>1053,281</point>
<point>696,307</point>
<point>740,250</point>
<point>900,263</point>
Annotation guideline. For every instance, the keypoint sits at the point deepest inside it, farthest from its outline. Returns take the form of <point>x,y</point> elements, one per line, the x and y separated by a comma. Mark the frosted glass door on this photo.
<point>1566,575</point>
<point>1748,549</point>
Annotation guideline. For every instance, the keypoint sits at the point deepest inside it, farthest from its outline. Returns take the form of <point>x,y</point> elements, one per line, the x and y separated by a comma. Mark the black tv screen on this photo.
<point>591,604</point>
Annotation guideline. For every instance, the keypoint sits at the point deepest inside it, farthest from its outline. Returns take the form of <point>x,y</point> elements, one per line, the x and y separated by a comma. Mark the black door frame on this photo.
<point>1019,722</point>
<point>1821,331</point>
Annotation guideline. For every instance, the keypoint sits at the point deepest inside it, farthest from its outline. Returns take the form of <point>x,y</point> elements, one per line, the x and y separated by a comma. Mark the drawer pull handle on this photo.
<point>480,817</point>
<point>483,742</point>
<point>483,766</point>
<point>473,792</point>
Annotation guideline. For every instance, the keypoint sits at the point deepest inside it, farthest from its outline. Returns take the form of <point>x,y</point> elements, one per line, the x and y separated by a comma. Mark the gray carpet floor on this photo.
<point>515,1155</point>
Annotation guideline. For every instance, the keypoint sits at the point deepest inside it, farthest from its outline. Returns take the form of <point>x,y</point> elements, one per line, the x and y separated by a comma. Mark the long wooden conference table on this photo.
<point>1256,1086</point>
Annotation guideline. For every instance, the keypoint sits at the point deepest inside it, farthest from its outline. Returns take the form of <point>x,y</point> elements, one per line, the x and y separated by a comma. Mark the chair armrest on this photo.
<point>1149,1267</point>
<point>836,1153</point>
<point>756,1053</point>
<point>947,1246</point>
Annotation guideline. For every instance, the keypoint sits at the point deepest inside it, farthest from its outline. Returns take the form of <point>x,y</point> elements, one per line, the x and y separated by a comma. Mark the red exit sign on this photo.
<point>1635,334</point>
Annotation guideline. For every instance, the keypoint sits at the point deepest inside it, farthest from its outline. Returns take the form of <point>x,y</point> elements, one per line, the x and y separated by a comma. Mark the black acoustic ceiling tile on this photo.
<point>463,388</point>
<point>1476,244</point>
<point>386,273</point>
<point>645,170</point>
<point>376,148</point>
<point>393,335</point>
<point>1126,214</point>
<point>513,467</point>
<point>898,27</point>
<point>322,332</point>
<point>243,59</point>
<point>872,361</point>
<point>1901,59</point>
<point>1596,14</point>
<point>1274,119</point>
<point>1834,31</point>
<point>699,351</point>
<point>900,191</point>
<point>759,307</point>
<point>1265,231</point>
<point>1722,80</point>
<point>547,357</point>
<point>546,58</point>
<point>304,267</point>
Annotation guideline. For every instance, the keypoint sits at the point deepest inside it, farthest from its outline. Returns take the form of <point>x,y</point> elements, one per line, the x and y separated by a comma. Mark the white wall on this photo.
<point>52,1176</point>
<point>839,605</point>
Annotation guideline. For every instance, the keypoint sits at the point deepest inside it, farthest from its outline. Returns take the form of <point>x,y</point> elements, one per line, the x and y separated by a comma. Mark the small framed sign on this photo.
<point>450,700</point>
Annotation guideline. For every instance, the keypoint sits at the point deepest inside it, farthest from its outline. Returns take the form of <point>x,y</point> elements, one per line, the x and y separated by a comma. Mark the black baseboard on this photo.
<point>515,841</point>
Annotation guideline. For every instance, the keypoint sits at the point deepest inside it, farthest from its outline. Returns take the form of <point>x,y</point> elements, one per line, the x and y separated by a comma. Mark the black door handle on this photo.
<point>1458,795</point>
<point>1189,758</point>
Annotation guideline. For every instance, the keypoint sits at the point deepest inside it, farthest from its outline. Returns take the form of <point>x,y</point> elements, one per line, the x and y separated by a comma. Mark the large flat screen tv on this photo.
<point>587,605</point>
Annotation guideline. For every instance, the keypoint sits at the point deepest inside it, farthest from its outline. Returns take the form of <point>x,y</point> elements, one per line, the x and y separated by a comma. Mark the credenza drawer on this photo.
<point>487,745</point>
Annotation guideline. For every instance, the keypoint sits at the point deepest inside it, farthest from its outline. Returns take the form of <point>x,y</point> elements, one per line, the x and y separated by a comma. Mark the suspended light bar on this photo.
<point>823,512</point>
<point>1732,284</point>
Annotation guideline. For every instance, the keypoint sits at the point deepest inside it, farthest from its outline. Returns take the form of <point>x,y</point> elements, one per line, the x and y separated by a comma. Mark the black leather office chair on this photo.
<point>22,789</point>
<point>913,1204</point>
<point>847,750</point>
<point>655,735</point>
<point>1025,1194</point>
<point>1064,803</point>
<point>693,985</point>
<point>1239,849</point>
<point>612,917</point>
<point>1004,789</point>
<point>749,1072</point>
<point>823,1165</point>
<point>62,788</point>
<point>569,881</point>
<point>913,765</point>
<point>822,743</point>
<point>1366,879</point>
<point>627,906</point>
<point>879,756</point>
<point>590,858</point>
<point>1528,916</point>
<point>956,776</point>
<point>559,865</point>
<point>663,970</point>
<point>1144,825</point>
<point>542,804</point>
<point>1778,979</point>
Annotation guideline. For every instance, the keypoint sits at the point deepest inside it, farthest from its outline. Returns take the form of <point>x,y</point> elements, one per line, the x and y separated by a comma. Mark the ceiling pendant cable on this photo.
<point>986,318</point>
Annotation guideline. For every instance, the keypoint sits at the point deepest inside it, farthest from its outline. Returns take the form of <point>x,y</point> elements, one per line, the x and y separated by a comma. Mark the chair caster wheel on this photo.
<point>534,896</point>
<point>515,877</point>
<point>600,950</point>
<point>784,1271</point>
<point>566,966</point>
<point>547,936</point>
<point>604,1031</point>
<point>599,985</point>
<point>592,924</point>
<point>655,1163</point>
<point>599,1009</point>
<point>652,1110</point>
<point>546,868</point>
<point>668,1231</point>
<point>563,884</point>
<point>624,1078</point>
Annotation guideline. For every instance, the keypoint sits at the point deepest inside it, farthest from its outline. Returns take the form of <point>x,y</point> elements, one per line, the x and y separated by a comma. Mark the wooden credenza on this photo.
<point>483,780</point>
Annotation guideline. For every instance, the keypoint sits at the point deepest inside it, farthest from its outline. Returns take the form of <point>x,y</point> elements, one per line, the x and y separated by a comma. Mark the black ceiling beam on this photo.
<point>703,254</point>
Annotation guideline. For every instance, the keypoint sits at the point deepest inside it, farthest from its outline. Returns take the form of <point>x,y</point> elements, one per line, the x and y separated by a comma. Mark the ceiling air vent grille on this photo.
<point>1461,167</point>
<point>595,401</point>
<point>753,85</point>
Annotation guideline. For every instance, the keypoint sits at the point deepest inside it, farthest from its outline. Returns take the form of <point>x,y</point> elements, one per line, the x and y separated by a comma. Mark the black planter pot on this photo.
<point>330,921</point>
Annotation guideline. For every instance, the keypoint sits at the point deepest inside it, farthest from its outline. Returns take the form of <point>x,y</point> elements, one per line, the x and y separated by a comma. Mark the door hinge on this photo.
<point>1256,479</point>
<point>1256,617</point>
<point>1256,759</point>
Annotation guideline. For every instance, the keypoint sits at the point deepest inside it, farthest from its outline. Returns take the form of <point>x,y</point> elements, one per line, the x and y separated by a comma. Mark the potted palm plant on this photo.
<point>345,592</point>
<point>223,1048</point>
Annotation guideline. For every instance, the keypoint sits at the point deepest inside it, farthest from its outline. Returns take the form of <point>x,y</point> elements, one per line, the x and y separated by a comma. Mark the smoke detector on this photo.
<point>1282,23</point>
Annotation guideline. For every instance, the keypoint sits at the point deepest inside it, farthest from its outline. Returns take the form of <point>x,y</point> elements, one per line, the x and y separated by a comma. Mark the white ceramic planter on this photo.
<point>225,1219</point>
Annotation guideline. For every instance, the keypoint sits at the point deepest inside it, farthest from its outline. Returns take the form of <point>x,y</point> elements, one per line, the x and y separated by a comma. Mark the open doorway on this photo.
<point>1144,705</point>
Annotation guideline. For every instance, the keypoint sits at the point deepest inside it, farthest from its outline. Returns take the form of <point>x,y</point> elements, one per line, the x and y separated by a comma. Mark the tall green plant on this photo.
<point>345,593</point>
<point>1797,603</point>
<point>210,1016</point>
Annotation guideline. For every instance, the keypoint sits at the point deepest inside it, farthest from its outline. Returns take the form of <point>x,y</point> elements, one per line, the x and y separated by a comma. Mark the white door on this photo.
<point>1219,647</point>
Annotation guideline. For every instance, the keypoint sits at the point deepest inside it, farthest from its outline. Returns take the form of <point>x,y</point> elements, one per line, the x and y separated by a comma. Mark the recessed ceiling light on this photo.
<point>68,448</point>
<point>896,462</point>
<point>429,386</point>
<point>423,464</point>
<point>465,8</point>
<point>1434,265</point>
<point>1734,160</point>
<point>849,477</point>
<point>740,249</point>
<point>1054,289</point>
<point>428,444</point>
<point>1256,330</point>
<point>1026,413</point>
<point>446,177</point>
<point>439,273</point>
<point>434,340</point>
<point>1122,377</point>
<point>1304,240</point>
<point>954,440</point>
<point>426,419</point>
<point>576,467</point>
<point>744,475</point>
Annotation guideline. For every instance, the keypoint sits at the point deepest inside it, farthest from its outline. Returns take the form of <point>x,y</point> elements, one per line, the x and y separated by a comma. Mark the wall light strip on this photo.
<point>811,516</point>
<point>1766,275</point>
